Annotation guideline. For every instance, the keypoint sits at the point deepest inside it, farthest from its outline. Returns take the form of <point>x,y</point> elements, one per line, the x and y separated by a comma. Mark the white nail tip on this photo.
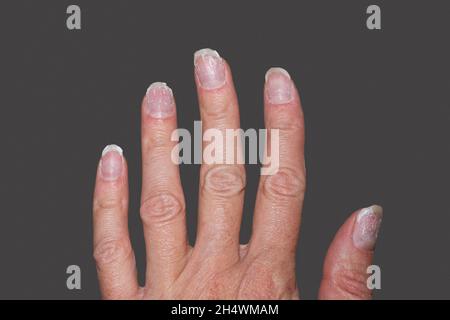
<point>157,85</point>
<point>112,147</point>
<point>377,210</point>
<point>206,52</point>
<point>276,70</point>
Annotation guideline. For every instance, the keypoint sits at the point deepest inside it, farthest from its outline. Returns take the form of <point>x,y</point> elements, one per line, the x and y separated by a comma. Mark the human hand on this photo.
<point>218,267</point>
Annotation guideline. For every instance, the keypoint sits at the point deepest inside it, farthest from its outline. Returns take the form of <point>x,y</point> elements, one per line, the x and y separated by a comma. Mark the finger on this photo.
<point>222,175</point>
<point>162,202</point>
<point>113,253</point>
<point>350,254</point>
<point>282,185</point>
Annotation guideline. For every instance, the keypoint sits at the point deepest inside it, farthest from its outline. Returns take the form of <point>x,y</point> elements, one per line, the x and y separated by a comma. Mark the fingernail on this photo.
<point>160,102</point>
<point>111,162</point>
<point>366,227</point>
<point>278,86</point>
<point>209,69</point>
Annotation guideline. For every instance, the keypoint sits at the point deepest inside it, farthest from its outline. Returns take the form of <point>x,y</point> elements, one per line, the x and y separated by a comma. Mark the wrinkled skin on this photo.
<point>218,266</point>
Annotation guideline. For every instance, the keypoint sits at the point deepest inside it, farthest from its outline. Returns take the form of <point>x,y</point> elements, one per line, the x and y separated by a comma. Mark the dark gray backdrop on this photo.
<point>377,123</point>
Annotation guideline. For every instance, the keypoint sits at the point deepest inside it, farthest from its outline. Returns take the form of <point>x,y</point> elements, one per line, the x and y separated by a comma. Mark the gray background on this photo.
<point>377,123</point>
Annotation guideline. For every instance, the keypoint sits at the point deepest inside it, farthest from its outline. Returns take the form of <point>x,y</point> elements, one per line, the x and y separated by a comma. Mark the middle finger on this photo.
<point>222,181</point>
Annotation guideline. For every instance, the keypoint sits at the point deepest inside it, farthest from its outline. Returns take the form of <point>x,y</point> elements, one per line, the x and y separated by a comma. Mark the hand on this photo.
<point>218,267</point>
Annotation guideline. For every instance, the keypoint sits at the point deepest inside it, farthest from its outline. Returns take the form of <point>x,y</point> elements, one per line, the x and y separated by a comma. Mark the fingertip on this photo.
<point>282,105</point>
<point>366,227</point>
<point>111,165</point>
<point>279,88</point>
<point>210,69</point>
<point>276,72</point>
<point>159,101</point>
<point>360,231</point>
<point>350,254</point>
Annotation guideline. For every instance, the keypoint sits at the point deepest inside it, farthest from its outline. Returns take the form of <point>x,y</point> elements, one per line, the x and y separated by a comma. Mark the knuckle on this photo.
<point>285,183</point>
<point>161,208</point>
<point>111,251</point>
<point>272,282</point>
<point>107,204</point>
<point>352,283</point>
<point>224,180</point>
<point>217,108</point>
